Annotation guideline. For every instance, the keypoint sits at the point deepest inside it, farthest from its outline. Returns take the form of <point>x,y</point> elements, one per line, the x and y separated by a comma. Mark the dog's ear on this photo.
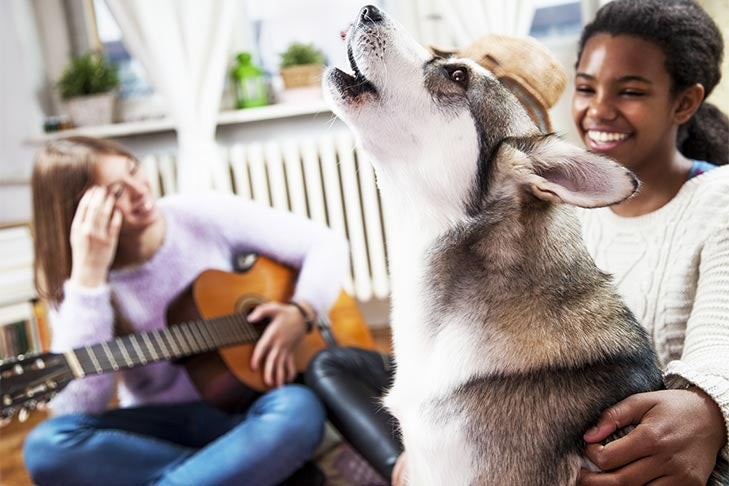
<point>563,173</point>
<point>441,52</point>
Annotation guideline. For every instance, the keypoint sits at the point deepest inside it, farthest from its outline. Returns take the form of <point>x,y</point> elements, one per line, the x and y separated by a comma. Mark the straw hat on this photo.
<point>523,65</point>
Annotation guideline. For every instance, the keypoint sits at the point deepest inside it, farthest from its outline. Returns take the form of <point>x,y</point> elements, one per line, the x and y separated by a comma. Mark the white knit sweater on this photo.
<point>672,268</point>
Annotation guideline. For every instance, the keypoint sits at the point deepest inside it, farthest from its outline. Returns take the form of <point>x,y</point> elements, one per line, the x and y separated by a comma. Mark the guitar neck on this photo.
<point>178,341</point>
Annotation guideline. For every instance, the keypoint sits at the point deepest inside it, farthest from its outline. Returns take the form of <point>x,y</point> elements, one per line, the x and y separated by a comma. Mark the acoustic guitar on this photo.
<point>208,333</point>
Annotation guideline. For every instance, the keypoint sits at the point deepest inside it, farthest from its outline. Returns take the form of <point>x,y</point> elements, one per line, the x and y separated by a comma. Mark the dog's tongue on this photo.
<point>343,33</point>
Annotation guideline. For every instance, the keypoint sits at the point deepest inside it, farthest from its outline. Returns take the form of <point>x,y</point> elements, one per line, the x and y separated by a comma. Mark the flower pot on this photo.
<point>92,110</point>
<point>302,75</point>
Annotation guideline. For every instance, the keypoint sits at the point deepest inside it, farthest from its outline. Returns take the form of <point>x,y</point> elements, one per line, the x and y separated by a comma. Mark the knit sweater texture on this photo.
<point>202,232</point>
<point>672,268</point>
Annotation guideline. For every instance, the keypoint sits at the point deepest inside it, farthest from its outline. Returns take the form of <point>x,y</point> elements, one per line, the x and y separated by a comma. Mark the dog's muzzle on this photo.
<point>351,86</point>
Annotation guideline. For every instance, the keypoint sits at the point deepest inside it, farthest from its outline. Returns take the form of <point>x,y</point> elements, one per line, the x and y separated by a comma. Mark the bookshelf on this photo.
<point>23,328</point>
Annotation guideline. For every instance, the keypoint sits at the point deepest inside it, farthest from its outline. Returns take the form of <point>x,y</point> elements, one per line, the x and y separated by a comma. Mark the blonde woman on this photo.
<point>99,233</point>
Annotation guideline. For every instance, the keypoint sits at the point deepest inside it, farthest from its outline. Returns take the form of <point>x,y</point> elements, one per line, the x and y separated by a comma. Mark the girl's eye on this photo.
<point>459,75</point>
<point>117,190</point>
<point>632,93</point>
<point>584,89</point>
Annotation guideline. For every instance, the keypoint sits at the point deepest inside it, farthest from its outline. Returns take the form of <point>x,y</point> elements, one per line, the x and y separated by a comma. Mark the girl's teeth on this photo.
<point>606,136</point>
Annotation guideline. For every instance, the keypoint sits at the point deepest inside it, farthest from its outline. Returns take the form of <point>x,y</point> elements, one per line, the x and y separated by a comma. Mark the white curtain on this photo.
<point>467,20</point>
<point>183,46</point>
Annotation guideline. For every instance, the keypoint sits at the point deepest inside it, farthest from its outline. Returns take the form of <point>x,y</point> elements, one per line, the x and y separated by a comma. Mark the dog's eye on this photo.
<point>458,75</point>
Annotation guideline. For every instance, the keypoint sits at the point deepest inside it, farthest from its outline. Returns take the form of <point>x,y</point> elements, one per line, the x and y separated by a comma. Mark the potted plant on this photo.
<point>88,86</point>
<point>301,65</point>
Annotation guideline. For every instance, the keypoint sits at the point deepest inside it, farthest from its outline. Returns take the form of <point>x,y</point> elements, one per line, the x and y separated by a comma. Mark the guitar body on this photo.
<point>224,377</point>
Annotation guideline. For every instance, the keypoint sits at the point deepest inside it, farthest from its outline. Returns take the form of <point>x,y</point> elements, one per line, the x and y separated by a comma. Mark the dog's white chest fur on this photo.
<point>429,367</point>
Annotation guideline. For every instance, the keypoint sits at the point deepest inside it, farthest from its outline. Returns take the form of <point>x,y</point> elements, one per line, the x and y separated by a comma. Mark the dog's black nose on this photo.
<point>370,14</point>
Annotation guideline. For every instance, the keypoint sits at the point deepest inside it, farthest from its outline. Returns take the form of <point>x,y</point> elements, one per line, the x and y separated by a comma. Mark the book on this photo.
<point>17,323</point>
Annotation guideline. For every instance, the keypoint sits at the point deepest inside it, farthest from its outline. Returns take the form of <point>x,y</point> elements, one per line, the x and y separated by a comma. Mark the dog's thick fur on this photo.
<point>509,341</point>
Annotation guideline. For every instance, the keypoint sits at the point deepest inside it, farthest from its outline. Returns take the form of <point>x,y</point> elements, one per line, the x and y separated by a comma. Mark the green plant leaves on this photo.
<point>299,53</point>
<point>88,75</point>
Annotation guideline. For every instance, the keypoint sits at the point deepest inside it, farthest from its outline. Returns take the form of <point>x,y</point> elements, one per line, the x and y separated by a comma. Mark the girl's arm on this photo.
<point>84,317</point>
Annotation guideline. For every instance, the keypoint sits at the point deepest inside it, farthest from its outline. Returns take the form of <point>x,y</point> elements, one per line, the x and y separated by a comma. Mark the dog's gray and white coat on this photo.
<point>508,340</point>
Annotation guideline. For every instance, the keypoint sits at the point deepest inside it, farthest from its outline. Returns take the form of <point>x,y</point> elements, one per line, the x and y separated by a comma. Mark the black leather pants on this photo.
<point>351,382</point>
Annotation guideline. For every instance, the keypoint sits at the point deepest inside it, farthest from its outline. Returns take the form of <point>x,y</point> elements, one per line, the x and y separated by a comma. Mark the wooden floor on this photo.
<point>12,471</point>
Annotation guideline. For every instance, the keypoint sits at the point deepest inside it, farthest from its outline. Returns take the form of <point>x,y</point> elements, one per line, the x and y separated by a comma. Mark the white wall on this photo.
<point>22,87</point>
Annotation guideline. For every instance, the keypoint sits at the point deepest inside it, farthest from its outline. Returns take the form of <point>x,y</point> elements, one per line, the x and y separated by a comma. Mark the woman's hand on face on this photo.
<point>676,440</point>
<point>274,350</point>
<point>94,237</point>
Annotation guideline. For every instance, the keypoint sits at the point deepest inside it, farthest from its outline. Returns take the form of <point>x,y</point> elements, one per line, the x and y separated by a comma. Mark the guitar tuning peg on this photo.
<point>23,414</point>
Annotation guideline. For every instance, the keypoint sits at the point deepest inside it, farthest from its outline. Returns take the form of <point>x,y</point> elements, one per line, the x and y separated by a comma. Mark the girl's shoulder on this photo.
<point>710,188</point>
<point>706,198</point>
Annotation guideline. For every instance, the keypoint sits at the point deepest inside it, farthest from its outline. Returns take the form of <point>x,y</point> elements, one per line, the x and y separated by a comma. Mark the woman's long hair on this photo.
<point>63,171</point>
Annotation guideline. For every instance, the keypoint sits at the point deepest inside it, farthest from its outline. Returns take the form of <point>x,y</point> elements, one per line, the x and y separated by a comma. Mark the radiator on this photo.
<point>325,178</point>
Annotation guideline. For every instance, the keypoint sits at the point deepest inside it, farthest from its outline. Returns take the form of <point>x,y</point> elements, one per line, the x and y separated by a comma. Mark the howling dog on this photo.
<point>508,340</point>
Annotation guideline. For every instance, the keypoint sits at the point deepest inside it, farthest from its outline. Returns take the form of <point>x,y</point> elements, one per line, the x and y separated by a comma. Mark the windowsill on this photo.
<point>248,115</point>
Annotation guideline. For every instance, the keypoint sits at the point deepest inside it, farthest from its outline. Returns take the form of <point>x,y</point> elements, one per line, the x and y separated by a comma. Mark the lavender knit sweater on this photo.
<point>202,232</point>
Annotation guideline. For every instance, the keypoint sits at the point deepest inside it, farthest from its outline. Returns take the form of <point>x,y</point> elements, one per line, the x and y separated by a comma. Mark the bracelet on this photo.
<point>309,321</point>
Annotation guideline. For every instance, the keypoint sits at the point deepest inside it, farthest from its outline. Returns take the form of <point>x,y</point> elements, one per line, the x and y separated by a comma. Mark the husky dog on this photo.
<point>508,340</point>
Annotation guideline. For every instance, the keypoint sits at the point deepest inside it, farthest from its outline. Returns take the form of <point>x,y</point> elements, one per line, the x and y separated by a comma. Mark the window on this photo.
<point>556,18</point>
<point>131,74</point>
<point>278,23</point>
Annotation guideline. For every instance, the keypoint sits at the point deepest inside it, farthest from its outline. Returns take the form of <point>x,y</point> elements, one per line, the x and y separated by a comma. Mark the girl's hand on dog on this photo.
<point>676,440</point>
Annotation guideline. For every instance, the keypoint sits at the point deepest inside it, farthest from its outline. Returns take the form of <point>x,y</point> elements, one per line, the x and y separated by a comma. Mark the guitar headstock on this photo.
<point>28,382</point>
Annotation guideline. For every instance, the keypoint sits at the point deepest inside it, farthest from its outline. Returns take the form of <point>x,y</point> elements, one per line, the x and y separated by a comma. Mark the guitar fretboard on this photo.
<point>178,341</point>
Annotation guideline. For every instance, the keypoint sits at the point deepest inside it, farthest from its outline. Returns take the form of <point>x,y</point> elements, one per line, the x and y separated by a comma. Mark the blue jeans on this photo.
<point>191,443</point>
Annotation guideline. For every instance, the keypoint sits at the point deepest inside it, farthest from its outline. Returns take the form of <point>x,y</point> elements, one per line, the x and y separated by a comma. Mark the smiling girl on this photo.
<point>108,253</point>
<point>643,72</point>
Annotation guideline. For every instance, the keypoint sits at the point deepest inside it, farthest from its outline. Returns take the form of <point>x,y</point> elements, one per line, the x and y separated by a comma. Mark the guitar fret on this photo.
<point>205,332</point>
<point>204,345</point>
<point>162,346</point>
<point>247,329</point>
<point>106,349</point>
<point>190,335</point>
<point>124,352</point>
<point>182,345</point>
<point>137,348</point>
<point>172,340</point>
<point>232,331</point>
<point>212,328</point>
<point>150,346</point>
<point>94,361</point>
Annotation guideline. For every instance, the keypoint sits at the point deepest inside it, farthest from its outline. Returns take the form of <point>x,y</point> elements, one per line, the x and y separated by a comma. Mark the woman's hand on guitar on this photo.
<point>274,350</point>
<point>94,237</point>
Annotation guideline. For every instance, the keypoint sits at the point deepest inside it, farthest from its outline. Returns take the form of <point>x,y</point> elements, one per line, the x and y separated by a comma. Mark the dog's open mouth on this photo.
<point>354,84</point>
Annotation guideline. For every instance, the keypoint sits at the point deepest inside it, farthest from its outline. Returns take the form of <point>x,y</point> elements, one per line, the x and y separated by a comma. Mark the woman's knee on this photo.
<point>301,413</point>
<point>52,446</point>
